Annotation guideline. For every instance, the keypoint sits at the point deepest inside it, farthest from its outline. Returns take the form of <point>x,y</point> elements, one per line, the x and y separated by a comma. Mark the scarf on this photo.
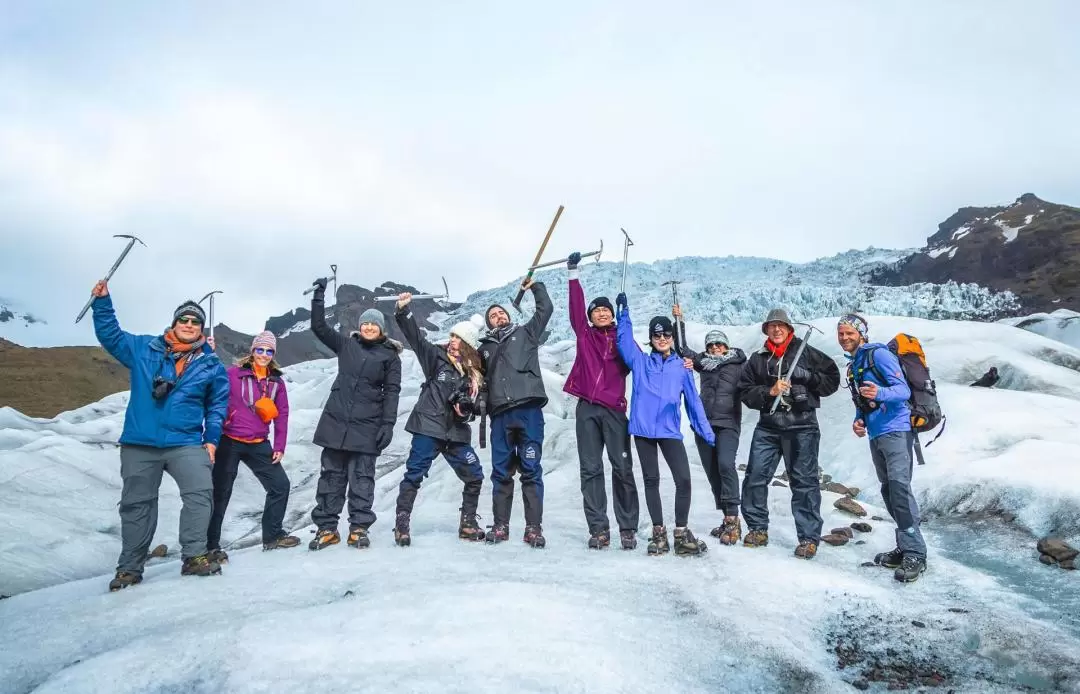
<point>710,362</point>
<point>261,372</point>
<point>500,334</point>
<point>181,352</point>
<point>778,350</point>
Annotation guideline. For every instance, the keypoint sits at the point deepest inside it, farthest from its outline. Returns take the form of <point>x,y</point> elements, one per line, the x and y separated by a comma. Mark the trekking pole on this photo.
<point>211,297</point>
<point>918,451</point>
<point>583,257</point>
<point>516,303</point>
<point>625,254</point>
<point>446,295</point>
<point>795,362</point>
<point>112,269</point>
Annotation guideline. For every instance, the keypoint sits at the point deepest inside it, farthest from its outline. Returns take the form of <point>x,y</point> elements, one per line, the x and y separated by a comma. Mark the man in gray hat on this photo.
<point>791,432</point>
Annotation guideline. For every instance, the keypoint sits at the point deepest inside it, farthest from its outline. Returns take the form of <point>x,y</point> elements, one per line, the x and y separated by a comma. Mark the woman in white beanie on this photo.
<point>257,400</point>
<point>440,421</point>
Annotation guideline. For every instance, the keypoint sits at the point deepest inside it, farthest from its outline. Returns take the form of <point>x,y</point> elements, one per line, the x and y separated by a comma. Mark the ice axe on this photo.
<point>625,255</point>
<point>328,279</point>
<point>445,295</point>
<point>680,327</point>
<point>583,257</point>
<point>112,269</point>
<point>210,321</point>
<point>795,361</point>
<point>516,303</point>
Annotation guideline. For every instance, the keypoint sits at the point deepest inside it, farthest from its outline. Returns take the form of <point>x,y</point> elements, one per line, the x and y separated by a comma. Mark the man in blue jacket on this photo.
<point>175,414</point>
<point>881,393</point>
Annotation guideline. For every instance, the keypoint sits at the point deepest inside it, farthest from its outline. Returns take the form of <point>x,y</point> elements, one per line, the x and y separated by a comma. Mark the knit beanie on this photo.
<point>266,340</point>
<point>856,321</point>
<point>467,332</point>
<point>375,316</point>
<point>660,324</point>
<point>716,337</point>
<point>600,302</point>
<point>189,308</point>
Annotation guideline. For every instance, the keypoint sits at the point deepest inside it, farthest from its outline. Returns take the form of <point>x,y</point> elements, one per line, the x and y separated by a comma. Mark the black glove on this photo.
<point>800,376</point>
<point>620,301</point>
<point>572,260</point>
<point>384,436</point>
<point>320,286</point>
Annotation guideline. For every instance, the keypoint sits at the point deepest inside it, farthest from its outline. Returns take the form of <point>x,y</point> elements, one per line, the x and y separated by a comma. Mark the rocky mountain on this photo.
<point>1030,248</point>
<point>296,342</point>
<point>45,381</point>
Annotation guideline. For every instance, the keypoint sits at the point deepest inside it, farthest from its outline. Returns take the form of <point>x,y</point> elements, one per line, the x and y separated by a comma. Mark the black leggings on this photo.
<point>675,455</point>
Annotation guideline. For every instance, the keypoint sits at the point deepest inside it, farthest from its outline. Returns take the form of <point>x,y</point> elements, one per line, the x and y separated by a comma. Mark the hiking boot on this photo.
<point>628,538</point>
<point>123,580</point>
<point>756,538</point>
<point>469,528</point>
<point>659,544</point>
<point>890,560</point>
<point>730,532</point>
<point>500,532</point>
<point>910,569</point>
<point>534,536</point>
<point>283,542</point>
<point>358,538</point>
<point>806,549</point>
<point>600,539</point>
<point>688,545</point>
<point>199,566</point>
<point>324,538</point>
<point>218,556</point>
<point>401,530</point>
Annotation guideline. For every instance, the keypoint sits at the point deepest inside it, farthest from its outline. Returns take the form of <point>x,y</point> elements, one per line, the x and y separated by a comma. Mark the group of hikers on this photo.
<point>192,417</point>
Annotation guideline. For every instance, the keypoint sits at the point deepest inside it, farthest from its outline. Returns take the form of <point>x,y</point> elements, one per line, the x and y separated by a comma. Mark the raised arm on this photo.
<point>119,344</point>
<point>327,335</point>
<point>695,410</point>
<point>426,353</point>
<point>544,308</point>
<point>579,319</point>
<point>624,335</point>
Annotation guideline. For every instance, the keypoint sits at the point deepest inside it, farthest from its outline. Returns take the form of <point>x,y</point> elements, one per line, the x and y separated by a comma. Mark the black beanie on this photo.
<point>660,324</point>
<point>189,308</point>
<point>488,322</point>
<point>600,302</point>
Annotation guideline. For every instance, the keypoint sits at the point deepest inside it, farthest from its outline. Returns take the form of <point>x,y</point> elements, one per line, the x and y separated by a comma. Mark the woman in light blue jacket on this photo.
<point>661,383</point>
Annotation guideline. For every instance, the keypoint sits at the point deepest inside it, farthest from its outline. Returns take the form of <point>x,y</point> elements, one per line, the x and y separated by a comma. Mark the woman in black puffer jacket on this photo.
<point>357,422</point>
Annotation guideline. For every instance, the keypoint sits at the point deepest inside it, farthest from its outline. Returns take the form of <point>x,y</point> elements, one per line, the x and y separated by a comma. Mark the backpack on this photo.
<point>925,410</point>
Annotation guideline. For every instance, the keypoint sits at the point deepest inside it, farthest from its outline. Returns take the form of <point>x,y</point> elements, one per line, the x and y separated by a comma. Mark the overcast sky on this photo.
<point>252,144</point>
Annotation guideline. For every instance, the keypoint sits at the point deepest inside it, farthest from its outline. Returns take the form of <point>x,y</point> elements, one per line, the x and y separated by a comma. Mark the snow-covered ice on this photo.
<point>444,615</point>
<point>1062,325</point>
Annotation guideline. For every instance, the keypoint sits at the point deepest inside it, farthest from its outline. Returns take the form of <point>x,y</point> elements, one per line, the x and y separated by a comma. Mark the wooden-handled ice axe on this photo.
<point>625,255</point>
<point>112,269</point>
<point>583,257</point>
<point>445,295</point>
<point>516,303</point>
<point>795,361</point>
<point>210,320</point>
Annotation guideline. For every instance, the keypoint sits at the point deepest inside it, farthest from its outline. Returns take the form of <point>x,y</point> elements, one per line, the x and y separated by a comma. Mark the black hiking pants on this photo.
<point>600,427</point>
<point>799,449</point>
<point>345,473</point>
<point>257,456</point>
<point>675,454</point>
<point>719,464</point>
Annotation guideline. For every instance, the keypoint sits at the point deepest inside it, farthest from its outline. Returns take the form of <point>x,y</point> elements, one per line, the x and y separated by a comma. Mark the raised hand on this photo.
<point>620,301</point>
<point>100,289</point>
<point>320,285</point>
<point>403,299</point>
<point>572,260</point>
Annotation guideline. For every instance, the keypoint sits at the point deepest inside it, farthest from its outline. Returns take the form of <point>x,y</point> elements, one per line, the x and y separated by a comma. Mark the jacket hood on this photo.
<point>388,342</point>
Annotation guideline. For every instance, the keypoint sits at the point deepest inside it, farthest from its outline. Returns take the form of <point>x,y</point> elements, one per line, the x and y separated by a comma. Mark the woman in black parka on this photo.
<point>440,421</point>
<point>357,422</point>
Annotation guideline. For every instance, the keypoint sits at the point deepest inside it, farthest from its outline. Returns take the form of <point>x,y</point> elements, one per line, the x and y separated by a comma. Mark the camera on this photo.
<point>161,388</point>
<point>465,402</point>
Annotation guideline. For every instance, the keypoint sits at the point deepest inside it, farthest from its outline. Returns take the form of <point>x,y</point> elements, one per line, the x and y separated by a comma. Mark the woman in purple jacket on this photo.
<point>661,383</point>
<point>598,380</point>
<point>257,397</point>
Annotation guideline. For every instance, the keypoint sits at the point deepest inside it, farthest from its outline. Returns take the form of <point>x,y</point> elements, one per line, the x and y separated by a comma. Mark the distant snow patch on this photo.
<point>299,327</point>
<point>961,232</point>
<point>1010,233</point>
<point>952,252</point>
<point>935,252</point>
<point>1027,220</point>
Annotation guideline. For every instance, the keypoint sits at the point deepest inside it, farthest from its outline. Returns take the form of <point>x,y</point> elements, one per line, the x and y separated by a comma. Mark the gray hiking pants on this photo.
<point>141,468</point>
<point>892,454</point>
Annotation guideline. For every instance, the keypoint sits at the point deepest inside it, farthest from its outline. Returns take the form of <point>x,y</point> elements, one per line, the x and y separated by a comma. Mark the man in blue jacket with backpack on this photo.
<point>881,393</point>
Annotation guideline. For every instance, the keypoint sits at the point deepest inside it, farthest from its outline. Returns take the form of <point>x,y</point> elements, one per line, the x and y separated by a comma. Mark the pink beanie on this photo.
<point>266,340</point>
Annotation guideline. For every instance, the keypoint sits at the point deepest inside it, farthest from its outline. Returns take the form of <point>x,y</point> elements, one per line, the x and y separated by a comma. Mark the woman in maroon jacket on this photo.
<point>598,380</point>
<point>257,397</point>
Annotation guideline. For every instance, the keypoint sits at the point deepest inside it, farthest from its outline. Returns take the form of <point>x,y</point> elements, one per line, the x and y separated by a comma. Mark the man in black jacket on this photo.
<point>791,432</point>
<point>357,422</point>
<point>438,423</point>
<point>515,401</point>
<point>720,366</point>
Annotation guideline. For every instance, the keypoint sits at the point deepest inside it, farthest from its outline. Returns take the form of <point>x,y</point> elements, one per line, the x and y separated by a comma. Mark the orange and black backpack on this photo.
<point>925,409</point>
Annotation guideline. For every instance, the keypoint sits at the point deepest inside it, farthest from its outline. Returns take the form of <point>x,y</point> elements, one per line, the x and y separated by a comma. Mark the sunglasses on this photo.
<point>185,320</point>
<point>666,336</point>
<point>261,351</point>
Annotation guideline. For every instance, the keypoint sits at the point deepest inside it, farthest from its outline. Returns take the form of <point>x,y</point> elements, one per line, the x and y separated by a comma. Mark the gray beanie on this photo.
<point>189,308</point>
<point>373,315</point>
<point>777,315</point>
<point>716,337</point>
